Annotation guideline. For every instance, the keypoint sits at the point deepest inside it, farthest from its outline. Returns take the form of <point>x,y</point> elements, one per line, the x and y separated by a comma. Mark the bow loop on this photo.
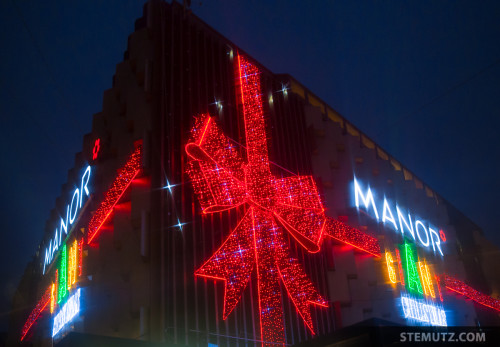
<point>217,168</point>
<point>299,210</point>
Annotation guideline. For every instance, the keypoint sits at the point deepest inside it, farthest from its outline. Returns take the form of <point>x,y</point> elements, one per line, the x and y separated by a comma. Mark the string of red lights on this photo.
<point>461,288</point>
<point>40,306</point>
<point>120,184</point>
<point>352,236</point>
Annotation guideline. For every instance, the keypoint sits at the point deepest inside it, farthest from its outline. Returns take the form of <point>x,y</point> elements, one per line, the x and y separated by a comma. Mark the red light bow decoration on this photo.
<point>223,180</point>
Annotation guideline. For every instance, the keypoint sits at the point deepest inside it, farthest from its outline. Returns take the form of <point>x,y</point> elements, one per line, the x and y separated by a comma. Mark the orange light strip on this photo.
<point>426,279</point>
<point>72,264</point>
<point>390,268</point>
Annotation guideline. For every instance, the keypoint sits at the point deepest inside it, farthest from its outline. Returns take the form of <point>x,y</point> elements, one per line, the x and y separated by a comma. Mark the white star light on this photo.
<point>179,225</point>
<point>169,186</point>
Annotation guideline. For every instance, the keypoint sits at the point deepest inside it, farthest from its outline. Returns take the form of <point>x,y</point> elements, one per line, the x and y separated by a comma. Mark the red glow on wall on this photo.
<point>40,306</point>
<point>223,180</point>
<point>461,288</point>
<point>122,181</point>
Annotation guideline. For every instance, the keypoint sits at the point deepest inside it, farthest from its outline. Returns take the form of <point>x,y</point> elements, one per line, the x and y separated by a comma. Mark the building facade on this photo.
<point>217,203</point>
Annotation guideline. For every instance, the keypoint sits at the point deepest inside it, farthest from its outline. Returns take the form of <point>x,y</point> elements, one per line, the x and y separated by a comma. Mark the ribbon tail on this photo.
<point>300,289</point>
<point>351,236</point>
<point>233,263</point>
<point>268,280</point>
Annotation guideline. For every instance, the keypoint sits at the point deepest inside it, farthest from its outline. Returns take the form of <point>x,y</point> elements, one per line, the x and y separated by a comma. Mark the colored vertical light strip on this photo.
<point>72,264</point>
<point>80,257</point>
<point>461,288</point>
<point>426,279</point>
<point>56,289</point>
<point>40,306</point>
<point>63,275</point>
<point>436,277</point>
<point>400,268</point>
<point>413,279</point>
<point>120,184</point>
<point>390,267</point>
<point>52,297</point>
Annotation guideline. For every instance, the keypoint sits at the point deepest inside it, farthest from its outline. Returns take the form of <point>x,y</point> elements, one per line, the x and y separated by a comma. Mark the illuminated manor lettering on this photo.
<point>399,221</point>
<point>70,216</point>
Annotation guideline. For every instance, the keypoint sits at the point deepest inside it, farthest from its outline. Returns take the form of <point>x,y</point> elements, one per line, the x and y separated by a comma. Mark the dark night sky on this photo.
<point>421,78</point>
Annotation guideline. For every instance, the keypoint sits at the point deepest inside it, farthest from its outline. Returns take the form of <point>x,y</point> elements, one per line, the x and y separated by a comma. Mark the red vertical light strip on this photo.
<point>463,289</point>
<point>122,181</point>
<point>40,306</point>
<point>400,268</point>
<point>438,279</point>
<point>80,257</point>
<point>269,294</point>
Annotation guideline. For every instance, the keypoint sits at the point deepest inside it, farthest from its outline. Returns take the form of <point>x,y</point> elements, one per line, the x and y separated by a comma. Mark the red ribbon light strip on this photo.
<point>122,181</point>
<point>463,289</point>
<point>222,179</point>
<point>40,306</point>
<point>351,236</point>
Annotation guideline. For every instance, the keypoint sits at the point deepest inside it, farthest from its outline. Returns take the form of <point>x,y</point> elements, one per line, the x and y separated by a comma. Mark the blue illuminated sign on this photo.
<point>423,311</point>
<point>69,310</point>
<point>396,218</point>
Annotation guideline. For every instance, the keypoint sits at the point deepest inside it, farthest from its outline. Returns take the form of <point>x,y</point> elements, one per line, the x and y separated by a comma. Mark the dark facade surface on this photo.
<point>138,278</point>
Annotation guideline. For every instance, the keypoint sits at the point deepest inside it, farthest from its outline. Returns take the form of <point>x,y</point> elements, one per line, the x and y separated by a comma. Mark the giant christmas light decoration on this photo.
<point>223,180</point>
<point>125,176</point>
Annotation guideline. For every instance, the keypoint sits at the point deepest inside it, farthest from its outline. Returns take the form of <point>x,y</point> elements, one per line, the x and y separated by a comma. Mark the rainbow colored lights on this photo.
<point>415,275</point>
<point>125,176</point>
